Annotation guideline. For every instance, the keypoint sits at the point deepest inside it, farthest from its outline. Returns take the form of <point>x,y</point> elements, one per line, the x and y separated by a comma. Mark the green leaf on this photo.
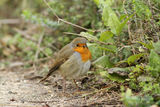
<point>154,62</point>
<point>106,35</point>
<point>149,46</point>
<point>112,77</point>
<point>157,47</point>
<point>38,19</point>
<point>104,62</point>
<point>88,36</point>
<point>96,2</point>
<point>122,17</point>
<point>96,52</point>
<point>110,19</point>
<point>135,57</point>
<point>130,100</point>
<point>121,26</point>
<point>115,77</point>
<point>106,2</point>
<point>126,52</point>
<point>141,9</point>
<point>48,51</point>
<point>120,71</point>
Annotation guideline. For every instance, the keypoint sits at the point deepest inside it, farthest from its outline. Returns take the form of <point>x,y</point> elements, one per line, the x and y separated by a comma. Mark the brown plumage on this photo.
<point>68,61</point>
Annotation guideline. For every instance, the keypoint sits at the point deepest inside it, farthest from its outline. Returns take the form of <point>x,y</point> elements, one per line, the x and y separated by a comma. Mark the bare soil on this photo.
<point>18,89</point>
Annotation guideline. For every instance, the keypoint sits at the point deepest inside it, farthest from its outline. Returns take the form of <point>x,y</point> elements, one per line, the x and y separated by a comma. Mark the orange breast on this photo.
<point>84,52</point>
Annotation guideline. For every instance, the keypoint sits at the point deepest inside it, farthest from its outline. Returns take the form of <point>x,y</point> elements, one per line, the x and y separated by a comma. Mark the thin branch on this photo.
<point>97,41</point>
<point>38,47</point>
<point>24,34</point>
<point>37,51</point>
<point>9,21</point>
<point>129,23</point>
<point>64,21</point>
<point>155,8</point>
<point>42,50</point>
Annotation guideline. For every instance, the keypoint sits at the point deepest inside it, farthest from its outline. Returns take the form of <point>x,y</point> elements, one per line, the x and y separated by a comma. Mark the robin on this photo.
<point>72,61</point>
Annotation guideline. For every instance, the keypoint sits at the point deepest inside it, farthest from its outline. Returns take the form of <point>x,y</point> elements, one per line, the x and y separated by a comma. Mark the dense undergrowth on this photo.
<point>130,27</point>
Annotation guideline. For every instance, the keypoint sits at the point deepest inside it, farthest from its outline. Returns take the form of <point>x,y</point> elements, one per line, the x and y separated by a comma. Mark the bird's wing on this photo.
<point>60,58</point>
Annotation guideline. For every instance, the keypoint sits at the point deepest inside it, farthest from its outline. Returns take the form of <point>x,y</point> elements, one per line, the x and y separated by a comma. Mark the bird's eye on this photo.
<point>77,45</point>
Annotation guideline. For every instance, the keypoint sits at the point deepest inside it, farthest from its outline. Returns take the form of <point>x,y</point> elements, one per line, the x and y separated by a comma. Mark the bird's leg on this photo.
<point>76,84</point>
<point>64,85</point>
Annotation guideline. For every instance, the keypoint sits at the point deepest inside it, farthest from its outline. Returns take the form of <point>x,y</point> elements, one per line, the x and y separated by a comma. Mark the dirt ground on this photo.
<point>17,90</point>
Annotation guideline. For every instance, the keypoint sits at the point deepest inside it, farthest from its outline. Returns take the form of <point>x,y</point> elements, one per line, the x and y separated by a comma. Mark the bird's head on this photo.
<point>80,45</point>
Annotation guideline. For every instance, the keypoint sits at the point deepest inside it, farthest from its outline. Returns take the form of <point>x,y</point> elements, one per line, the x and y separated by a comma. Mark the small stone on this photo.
<point>59,87</point>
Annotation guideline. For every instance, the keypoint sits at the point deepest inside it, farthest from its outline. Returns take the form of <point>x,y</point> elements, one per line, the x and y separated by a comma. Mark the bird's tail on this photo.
<point>49,73</point>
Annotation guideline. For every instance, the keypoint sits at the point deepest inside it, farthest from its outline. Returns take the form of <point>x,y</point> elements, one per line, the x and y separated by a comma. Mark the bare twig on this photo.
<point>24,34</point>
<point>38,60</point>
<point>38,47</point>
<point>64,21</point>
<point>155,8</point>
<point>38,50</point>
<point>9,21</point>
<point>106,88</point>
<point>103,43</point>
<point>97,60</point>
<point>42,50</point>
<point>129,23</point>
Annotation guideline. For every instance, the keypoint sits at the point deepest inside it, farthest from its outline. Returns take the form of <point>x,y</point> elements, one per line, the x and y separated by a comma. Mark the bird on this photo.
<point>72,62</point>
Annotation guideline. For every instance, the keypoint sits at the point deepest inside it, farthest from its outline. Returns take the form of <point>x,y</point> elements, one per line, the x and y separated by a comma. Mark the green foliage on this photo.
<point>115,77</point>
<point>141,9</point>
<point>154,60</point>
<point>106,36</point>
<point>37,19</point>
<point>136,101</point>
<point>135,57</point>
<point>126,52</point>
<point>79,10</point>
<point>28,48</point>
<point>157,47</point>
<point>150,87</point>
<point>134,74</point>
<point>104,62</point>
<point>96,52</point>
<point>149,45</point>
<point>110,18</point>
<point>90,37</point>
<point>131,27</point>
